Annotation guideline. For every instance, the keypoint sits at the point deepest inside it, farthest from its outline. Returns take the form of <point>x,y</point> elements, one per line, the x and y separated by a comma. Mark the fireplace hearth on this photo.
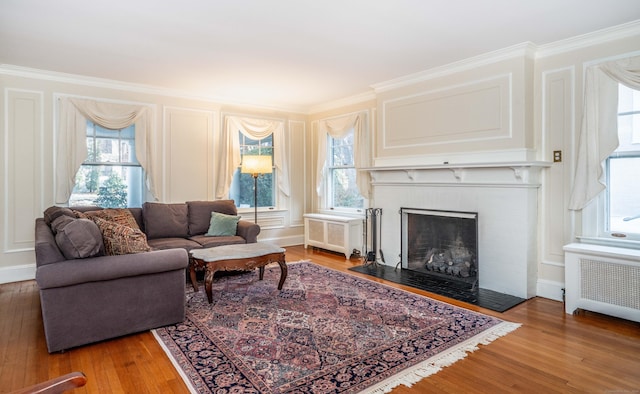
<point>456,290</point>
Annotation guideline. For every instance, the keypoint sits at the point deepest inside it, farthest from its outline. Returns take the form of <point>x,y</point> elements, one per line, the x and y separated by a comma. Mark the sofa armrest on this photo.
<point>102,268</point>
<point>46,249</point>
<point>248,230</point>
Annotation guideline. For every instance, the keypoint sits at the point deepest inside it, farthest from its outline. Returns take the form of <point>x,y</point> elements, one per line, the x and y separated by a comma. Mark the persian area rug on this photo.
<point>325,332</point>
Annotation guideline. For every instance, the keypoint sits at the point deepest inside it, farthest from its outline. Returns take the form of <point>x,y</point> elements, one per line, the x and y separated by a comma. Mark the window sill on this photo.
<point>247,211</point>
<point>337,212</point>
<point>617,243</point>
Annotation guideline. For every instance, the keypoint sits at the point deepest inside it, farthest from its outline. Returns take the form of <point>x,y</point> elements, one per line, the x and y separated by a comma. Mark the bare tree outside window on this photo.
<point>241,190</point>
<point>343,192</point>
<point>111,176</point>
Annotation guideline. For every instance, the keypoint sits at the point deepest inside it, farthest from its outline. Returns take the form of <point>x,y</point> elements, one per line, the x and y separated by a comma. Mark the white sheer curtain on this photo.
<point>599,131</point>
<point>72,137</point>
<point>338,128</point>
<point>230,150</point>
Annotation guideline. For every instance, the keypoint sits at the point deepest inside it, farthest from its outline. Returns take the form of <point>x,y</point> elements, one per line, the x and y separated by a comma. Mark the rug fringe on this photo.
<point>275,263</point>
<point>299,261</point>
<point>175,363</point>
<point>412,375</point>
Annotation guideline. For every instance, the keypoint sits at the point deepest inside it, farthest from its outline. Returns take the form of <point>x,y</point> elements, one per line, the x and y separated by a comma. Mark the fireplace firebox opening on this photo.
<point>441,244</point>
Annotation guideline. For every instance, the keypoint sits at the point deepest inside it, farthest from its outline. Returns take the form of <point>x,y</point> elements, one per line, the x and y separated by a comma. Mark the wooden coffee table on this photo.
<point>238,257</point>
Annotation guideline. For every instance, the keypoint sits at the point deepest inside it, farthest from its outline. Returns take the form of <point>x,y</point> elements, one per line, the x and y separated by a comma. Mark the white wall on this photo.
<point>187,132</point>
<point>559,73</point>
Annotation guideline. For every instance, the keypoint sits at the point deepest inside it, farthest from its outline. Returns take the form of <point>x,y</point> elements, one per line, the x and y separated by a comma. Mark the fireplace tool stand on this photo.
<point>373,221</point>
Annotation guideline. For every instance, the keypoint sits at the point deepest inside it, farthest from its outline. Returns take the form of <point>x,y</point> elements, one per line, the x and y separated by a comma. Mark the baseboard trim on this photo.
<point>17,273</point>
<point>550,289</point>
<point>284,241</point>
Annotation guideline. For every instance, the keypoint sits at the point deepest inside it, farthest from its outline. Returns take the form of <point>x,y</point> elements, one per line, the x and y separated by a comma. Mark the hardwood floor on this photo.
<point>551,353</point>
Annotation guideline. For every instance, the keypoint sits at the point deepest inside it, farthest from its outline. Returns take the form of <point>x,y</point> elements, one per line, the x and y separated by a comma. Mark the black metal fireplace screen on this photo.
<point>440,243</point>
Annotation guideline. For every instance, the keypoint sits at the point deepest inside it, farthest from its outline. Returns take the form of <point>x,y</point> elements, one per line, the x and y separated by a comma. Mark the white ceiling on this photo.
<point>281,53</point>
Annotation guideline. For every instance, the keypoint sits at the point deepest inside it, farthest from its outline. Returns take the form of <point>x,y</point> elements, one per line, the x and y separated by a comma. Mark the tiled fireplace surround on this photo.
<point>505,196</point>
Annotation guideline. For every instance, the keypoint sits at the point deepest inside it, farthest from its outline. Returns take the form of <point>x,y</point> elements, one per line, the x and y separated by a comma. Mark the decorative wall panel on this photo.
<point>297,171</point>
<point>476,111</point>
<point>189,171</point>
<point>22,167</point>
<point>557,126</point>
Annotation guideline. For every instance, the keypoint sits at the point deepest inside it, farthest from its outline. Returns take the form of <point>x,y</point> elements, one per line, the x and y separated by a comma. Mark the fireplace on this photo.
<point>505,196</point>
<point>439,254</point>
<point>441,244</point>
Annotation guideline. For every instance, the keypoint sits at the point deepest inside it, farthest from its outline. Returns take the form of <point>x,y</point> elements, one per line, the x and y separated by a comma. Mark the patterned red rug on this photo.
<point>325,332</point>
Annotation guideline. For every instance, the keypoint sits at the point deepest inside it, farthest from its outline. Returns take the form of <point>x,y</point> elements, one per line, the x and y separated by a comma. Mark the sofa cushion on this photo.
<point>174,243</point>
<point>120,216</point>
<point>119,239</point>
<point>210,242</point>
<point>51,213</point>
<point>200,213</point>
<point>165,220</point>
<point>79,238</point>
<point>137,215</point>
<point>222,225</point>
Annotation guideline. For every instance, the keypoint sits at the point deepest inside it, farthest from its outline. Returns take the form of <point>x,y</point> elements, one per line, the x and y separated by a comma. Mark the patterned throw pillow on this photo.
<point>120,239</point>
<point>117,215</point>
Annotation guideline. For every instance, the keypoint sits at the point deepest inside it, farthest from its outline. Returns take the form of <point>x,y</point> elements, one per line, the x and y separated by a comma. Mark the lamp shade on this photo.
<point>253,164</point>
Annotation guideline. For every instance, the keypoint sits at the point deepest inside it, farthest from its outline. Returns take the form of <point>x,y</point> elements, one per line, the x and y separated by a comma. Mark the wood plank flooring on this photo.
<point>551,353</point>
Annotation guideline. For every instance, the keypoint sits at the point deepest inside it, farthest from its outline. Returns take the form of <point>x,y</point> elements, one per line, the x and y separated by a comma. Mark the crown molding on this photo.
<point>343,102</point>
<point>597,37</point>
<point>75,79</point>
<point>526,49</point>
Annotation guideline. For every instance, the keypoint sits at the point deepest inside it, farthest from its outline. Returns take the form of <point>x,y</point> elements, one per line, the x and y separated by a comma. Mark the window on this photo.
<point>111,176</point>
<point>623,178</point>
<point>341,181</point>
<point>241,190</point>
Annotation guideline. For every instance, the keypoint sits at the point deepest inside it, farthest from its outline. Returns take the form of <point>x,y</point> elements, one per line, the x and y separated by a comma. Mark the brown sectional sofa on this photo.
<point>88,296</point>
<point>170,226</point>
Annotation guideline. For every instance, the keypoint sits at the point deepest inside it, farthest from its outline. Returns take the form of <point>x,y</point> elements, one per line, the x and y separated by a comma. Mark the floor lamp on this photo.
<point>256,165</point>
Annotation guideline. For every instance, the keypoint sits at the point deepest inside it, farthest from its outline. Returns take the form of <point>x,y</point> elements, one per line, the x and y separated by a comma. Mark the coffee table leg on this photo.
<point>283,271</point>
<point>192,274</point>
<point>261,275</point>
<point>208,280</point>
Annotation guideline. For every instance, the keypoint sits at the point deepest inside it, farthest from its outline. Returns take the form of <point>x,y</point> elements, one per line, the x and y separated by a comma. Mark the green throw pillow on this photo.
<point>222,225</point>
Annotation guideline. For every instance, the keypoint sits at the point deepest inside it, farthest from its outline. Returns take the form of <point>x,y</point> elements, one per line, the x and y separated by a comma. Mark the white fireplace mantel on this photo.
<point>514,174</point>
<point>505,197</point>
